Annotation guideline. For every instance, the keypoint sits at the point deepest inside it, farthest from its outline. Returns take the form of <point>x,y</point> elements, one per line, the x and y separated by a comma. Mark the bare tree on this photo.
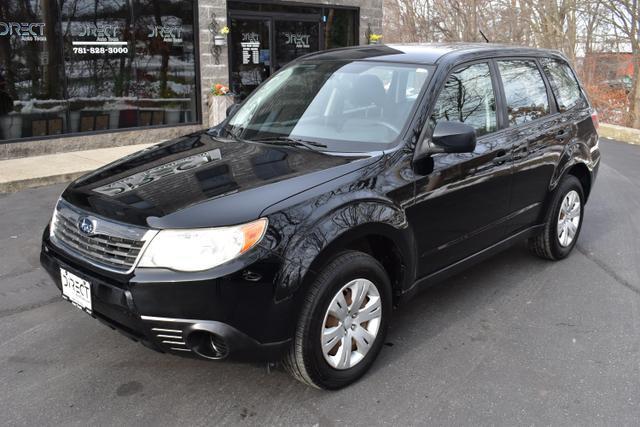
<point>582,29</point>
<point>624,17</point>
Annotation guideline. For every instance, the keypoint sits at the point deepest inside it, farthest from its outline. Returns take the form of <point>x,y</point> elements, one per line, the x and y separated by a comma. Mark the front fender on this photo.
<point>311,244</point>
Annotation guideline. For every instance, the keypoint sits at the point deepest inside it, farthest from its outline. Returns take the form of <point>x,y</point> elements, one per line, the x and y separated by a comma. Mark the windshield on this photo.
<point>345,106</point>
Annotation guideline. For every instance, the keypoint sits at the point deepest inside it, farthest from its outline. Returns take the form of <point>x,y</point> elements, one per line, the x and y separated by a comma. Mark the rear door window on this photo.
<point>524,89</point>
<point>468,97</point>
<point>564,84</point>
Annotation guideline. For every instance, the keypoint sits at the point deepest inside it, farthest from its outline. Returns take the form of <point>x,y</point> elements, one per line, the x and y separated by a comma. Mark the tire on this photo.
<point>550,243</point>
<point>306,359</point>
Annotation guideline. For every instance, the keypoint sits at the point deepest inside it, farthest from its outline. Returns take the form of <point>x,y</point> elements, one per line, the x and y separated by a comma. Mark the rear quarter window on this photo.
<point>563,83</point>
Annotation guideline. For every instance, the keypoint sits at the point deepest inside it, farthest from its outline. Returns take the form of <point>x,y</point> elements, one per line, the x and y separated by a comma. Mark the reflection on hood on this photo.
<point>170,177</point>
<point>146,177</point>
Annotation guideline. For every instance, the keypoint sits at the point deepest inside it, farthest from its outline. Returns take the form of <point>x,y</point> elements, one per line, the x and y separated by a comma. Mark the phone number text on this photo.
<point>100,50</point>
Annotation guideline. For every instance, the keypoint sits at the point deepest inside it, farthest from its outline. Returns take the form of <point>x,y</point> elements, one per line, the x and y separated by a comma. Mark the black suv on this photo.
<point>344,183</point>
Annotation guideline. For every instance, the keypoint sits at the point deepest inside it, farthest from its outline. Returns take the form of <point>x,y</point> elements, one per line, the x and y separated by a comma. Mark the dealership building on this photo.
<point>84,74</point>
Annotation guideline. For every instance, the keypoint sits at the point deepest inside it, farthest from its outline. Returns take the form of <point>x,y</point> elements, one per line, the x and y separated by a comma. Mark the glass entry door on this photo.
<point>262,43</point>
<point>295,38</point>
<point>250,53</point>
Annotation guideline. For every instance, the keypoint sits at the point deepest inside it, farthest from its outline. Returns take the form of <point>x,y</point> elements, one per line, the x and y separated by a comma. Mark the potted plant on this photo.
<point>375,38</point>
<point>220,39</point>
<point>220,98</point>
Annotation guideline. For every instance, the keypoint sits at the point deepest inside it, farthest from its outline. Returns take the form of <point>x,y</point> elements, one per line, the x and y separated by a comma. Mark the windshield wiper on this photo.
<point>233,131</point>
<point>288,141</point>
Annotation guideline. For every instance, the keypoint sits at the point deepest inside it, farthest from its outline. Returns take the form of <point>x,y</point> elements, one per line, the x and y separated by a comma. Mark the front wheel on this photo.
<point>564,221</point>
<point>343,322</point>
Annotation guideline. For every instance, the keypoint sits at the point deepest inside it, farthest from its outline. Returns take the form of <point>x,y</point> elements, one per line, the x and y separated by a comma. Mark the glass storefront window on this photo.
<point>340,28</point>
<point>165,80</point>
<point>295,38</point>
<point>78,66</point>
<point>31,84</point>
<point>98,64</point>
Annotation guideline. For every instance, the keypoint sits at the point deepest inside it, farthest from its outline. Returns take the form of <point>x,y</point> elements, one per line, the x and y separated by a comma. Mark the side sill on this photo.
<point>465,263</point>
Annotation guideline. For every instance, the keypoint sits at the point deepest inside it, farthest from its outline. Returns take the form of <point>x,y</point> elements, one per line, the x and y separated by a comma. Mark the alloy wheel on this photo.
<point>569,218</point>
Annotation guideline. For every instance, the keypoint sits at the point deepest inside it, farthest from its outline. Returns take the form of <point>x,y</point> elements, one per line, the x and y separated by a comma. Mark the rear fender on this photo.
<point>575,153</point>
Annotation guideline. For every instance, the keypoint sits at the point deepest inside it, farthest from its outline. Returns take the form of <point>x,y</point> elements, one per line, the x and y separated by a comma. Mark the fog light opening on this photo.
<point>208,345</point>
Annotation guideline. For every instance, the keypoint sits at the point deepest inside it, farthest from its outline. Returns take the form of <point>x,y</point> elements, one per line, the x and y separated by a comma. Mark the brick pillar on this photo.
<point>210,72</point>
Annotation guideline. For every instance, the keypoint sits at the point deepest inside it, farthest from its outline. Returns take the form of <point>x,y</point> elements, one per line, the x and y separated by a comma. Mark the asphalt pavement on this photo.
<point>514,340</point>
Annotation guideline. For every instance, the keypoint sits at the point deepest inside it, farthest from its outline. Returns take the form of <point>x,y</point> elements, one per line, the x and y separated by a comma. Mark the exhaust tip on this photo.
<point>208,345</point>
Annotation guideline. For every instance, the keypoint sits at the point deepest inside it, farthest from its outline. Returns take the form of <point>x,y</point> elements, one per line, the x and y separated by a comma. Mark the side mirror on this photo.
<point>448,137</point>
<point>454,137</point>
<point>232,109</point>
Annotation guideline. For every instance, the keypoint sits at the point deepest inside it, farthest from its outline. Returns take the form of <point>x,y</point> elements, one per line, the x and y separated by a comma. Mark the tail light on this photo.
<point>594,118</point>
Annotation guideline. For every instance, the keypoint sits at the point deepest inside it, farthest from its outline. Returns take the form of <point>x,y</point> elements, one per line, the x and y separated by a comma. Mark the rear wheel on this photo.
<point>564,221</point>
<point>343,322</point>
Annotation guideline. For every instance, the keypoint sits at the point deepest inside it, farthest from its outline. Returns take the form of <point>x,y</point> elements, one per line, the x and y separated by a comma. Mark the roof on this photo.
<point>427,53</point>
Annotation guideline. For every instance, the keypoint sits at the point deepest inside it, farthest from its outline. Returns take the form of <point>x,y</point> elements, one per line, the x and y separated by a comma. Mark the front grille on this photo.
<point>113,246</point>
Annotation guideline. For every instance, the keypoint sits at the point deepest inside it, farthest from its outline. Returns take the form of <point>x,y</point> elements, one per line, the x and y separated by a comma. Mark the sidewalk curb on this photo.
<point>30,172</point>
<point>24,184</point>
<point>620,133</point>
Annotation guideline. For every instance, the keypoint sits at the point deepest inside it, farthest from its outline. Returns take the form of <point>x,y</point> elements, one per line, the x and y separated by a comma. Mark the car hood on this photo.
<point>202,181</point>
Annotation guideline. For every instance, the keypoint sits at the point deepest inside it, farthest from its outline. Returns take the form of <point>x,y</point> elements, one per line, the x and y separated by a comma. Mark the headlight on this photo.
<point>54,220</point>
<point>203,248</point>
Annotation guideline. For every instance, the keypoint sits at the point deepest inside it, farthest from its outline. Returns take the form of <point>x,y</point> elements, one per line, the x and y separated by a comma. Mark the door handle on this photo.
<point>562,134</point>
<point>520,152</point>
<point>501,157</point>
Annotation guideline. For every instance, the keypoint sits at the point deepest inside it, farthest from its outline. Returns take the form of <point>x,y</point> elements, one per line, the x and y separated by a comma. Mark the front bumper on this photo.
<point>239,316</point>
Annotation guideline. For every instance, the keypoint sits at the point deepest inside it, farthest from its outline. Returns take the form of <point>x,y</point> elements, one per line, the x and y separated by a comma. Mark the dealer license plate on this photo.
<point>76,290</point>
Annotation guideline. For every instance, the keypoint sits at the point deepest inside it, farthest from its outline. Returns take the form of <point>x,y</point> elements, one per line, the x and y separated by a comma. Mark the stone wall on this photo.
<point>210,73</point>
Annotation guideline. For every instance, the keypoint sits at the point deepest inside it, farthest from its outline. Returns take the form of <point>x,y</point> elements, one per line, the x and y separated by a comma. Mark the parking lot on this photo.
<point>513,340</point>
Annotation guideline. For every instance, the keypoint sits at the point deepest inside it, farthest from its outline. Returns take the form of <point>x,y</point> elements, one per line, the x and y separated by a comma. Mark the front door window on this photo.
<point>467,97</point>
